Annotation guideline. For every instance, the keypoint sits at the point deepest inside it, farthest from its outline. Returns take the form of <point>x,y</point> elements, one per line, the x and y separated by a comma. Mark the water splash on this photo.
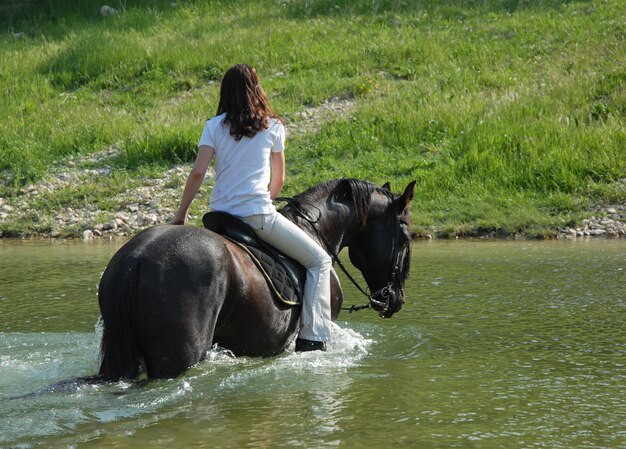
<point>30,363</point>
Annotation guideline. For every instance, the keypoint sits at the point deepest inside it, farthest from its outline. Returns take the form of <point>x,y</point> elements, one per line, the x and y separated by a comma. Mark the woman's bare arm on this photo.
<point>194,181</point>
<point>278,174</point>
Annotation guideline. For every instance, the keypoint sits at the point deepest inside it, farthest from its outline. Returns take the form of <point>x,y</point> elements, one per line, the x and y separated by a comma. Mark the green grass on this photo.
<point>510,114</point>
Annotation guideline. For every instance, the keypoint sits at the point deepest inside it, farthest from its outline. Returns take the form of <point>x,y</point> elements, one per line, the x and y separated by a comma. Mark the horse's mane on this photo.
<point>342,189</point>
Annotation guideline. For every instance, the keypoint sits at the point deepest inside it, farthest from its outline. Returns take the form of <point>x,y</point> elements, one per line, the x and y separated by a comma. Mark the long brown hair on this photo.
<point>243,100</point>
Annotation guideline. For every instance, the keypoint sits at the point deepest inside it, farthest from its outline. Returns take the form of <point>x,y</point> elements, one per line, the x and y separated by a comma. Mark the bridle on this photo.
<point>381,298</point>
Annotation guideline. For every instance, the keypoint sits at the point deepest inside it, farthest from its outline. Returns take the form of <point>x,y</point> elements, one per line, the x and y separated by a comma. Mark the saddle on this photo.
<point>284,275</point>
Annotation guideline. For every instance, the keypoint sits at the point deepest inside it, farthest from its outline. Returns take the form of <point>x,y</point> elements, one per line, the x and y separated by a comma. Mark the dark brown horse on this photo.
<point>172,292</point>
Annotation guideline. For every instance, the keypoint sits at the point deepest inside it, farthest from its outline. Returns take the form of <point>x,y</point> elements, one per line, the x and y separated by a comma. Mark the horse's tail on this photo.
<point>120,356</point>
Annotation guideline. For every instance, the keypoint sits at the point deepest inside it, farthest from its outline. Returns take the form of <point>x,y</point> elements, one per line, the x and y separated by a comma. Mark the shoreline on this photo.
<point>147,208</point>
<point>152,200</point>
<point>108,238</point>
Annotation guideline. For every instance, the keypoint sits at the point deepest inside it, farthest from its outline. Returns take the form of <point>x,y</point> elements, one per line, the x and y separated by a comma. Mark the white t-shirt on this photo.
<point>242,168</point>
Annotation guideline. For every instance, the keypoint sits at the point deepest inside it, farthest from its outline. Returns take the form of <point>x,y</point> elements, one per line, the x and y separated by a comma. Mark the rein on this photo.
<point>384,293</point>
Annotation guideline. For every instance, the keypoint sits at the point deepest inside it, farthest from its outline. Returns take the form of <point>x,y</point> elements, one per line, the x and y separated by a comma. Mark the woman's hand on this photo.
<point>178,220</point>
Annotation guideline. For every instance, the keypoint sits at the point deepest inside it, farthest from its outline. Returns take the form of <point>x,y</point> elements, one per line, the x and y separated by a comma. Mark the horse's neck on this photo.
<point>338,221</point>
<point>335,229</point>
<point>337,232</point>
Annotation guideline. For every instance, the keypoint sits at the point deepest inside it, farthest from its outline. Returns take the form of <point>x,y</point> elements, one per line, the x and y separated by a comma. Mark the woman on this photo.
<point>248,140</point>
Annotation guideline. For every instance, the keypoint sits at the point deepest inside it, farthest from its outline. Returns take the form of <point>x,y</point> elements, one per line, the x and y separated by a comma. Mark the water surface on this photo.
<point>502,344</point>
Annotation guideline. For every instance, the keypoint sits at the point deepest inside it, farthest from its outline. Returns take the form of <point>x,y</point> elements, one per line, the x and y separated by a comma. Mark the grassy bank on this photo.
<point>510,114</point>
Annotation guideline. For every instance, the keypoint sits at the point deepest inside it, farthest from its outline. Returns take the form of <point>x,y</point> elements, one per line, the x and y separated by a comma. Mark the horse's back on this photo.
<point>169,242</point>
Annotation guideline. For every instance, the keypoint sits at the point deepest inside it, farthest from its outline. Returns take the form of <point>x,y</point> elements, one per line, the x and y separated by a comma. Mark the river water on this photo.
<point>502,344</point>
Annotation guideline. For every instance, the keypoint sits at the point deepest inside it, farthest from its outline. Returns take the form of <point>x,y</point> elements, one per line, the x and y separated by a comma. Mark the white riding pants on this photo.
<point>276,230</point>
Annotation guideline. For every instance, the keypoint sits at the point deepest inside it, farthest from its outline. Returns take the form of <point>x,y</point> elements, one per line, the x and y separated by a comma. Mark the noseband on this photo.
<point>380,299</point>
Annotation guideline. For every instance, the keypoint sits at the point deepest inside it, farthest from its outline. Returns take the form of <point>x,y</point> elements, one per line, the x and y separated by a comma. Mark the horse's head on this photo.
<point>381,249</point>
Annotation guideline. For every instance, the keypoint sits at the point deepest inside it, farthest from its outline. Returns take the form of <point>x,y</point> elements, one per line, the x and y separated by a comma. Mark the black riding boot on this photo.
<point>303,345</point>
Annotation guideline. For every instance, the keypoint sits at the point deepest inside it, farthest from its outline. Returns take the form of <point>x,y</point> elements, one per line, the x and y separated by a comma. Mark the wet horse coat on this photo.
<point>172,292</point>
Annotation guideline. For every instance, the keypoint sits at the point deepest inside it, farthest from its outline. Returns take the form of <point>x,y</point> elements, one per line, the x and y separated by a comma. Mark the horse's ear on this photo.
<point>387,186</point>
<point>407,196</point>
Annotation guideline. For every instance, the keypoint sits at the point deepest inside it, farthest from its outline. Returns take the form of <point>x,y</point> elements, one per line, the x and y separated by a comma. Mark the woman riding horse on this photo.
<point>172,292</point>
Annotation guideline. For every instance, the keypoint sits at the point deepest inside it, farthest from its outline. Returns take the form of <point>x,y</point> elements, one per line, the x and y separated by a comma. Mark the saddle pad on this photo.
<point>276,276</point>
<point>284,275</point>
